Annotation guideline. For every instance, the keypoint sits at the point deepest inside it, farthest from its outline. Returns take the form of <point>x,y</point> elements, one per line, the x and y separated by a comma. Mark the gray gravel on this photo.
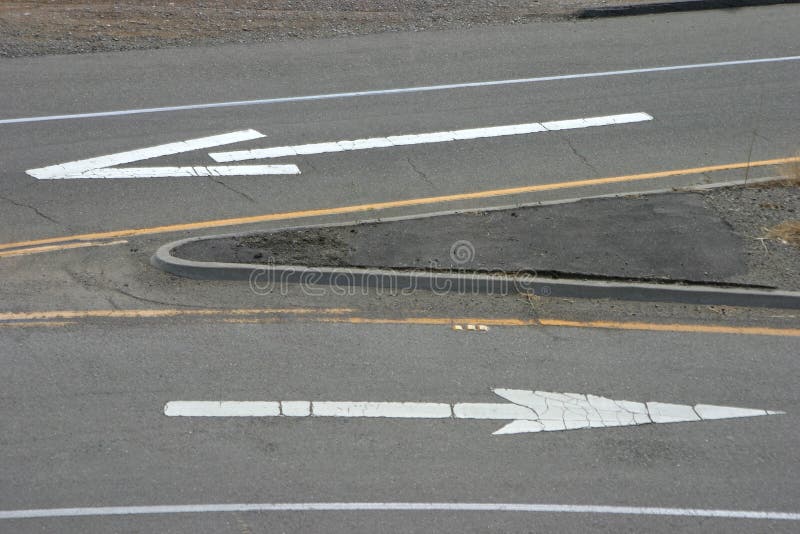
<point>68,27</point>
<point>751,212</point>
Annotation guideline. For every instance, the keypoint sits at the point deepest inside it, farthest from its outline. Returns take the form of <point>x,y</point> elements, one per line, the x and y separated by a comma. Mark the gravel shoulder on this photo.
<point>711,237</point>
<point>73,26</point>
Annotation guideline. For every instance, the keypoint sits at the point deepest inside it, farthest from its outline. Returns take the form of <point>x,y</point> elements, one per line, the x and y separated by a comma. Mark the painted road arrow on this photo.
<point>102,167</point>
<point>105,166</point>
<point>529,411</point>
<point>428,138</point>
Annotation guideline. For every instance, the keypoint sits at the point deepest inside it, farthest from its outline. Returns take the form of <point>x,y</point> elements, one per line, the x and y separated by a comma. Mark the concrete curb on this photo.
<point>673,7</point>
<point>316,281</point>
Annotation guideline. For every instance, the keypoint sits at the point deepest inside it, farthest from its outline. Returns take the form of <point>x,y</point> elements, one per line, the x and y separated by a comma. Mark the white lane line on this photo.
<point>411,410</point>
<point>528,411</point>
<point>183,172</point>
<point>399,506</point>
<point>426,138</point>
<point>224,409</point>
<point>401,90</point>
<point>101,167</point>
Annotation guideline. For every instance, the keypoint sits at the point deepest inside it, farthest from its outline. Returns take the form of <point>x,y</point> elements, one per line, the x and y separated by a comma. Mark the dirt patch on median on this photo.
<point>754,212</point>
<point>74,26</point>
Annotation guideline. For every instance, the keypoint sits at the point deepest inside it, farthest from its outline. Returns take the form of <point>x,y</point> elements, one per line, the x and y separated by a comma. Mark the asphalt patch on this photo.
<point>674,237</point>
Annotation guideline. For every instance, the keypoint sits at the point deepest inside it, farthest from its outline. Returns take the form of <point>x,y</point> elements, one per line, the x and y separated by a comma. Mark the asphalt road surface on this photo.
<point>95,342</point>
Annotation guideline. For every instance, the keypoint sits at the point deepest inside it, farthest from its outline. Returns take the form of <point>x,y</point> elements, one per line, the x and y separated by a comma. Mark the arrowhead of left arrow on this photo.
<point>104,166</point>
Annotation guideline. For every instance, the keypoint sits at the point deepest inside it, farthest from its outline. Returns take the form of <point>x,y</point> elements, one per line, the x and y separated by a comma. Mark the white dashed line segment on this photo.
<point>400,90</point>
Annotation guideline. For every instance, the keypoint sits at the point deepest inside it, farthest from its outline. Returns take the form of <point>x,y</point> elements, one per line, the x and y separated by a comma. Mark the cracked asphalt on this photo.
<point>95,341</point>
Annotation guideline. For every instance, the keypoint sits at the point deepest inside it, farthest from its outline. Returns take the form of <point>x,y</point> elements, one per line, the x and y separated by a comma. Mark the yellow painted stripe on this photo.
<point>392,204</point>
<point>340,315</point>
<point>270,320</point>
<point>53,248</point>
<point>161,313</point>
<point>688,328</point>
<point>513,322</point>
<point>32,324</point>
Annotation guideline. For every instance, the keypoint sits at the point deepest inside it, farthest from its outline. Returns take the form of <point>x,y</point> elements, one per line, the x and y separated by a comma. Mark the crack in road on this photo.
<point>420,173</point>
<point>152,301</point>
<point>32,208</point>
<point>97,282</point>
<point>232,189</point>
<point>577,154</point>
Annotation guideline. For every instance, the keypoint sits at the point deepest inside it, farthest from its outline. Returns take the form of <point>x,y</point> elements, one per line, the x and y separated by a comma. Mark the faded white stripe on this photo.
<point>399,506</point>
<point>401,90</point>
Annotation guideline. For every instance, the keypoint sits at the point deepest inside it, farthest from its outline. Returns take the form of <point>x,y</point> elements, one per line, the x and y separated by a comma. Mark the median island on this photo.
<point>734,236</point>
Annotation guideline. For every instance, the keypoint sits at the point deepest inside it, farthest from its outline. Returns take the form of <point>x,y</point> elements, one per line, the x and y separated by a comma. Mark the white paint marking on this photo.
<point>412,410</point>
<point>671,413</point>
<point>223,409</point>
<point>185,172</point>
<point>100,167</point>
<point>427,138</point>
<point>401,90</point>
<point>522,426</point>
<point>706,411</point>
<point>399,506</point>
<point>492,411</point>
<point>529,411</point>
<point>121,158</point>
<point>296,408</point>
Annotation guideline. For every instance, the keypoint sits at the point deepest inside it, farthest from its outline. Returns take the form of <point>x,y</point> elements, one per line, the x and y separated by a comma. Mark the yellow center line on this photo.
<point>515,322</point>
<point>163,313</point>
<point>689,328</point>
<point>32,324</point>
<point>51,248</point>
<point>357,208</point>
<point>343,316</point>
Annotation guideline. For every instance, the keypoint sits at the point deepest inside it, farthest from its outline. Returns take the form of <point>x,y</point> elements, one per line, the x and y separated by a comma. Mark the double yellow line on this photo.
<point>57,318</point>
<point>102,238</point>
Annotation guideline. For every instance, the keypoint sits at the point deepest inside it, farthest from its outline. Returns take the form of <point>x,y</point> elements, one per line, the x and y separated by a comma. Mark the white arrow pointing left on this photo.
<point>102,167</point>
<point>528,411</point>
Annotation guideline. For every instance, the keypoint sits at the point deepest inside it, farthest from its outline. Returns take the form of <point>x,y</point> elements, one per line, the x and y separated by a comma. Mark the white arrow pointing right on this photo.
<point>568,411</point>
<point>529,411</point>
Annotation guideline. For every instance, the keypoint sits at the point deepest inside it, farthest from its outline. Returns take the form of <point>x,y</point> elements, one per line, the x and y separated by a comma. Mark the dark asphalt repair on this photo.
<point>665,237</point>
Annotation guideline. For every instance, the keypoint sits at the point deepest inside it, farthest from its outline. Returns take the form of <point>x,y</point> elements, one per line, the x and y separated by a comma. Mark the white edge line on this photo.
<point>377,92</point>
<point>397,506</point>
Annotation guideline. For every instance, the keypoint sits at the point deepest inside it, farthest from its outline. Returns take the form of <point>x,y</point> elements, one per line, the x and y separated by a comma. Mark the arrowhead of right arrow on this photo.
<point>570,411</point>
